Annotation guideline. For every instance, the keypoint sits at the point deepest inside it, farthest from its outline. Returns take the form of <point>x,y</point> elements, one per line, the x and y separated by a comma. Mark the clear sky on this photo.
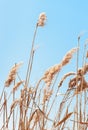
<point>65,20</point>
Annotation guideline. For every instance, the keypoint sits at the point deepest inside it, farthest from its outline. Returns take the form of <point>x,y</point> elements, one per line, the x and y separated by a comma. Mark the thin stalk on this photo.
<point>20,79</point>
<point>74,122</point>
<point>30,62</point>
<point>43,122</point>
<point>34,96</point>
<point>30,69</point>
<point>80,102</point>
<point>30,58</point>
<point>84,111</point>
<point>85,92</point>
<point>16,118</point>
<point>54,97</point>
<point>2,94</point>
<point>77,78</point>
<point>27,106</point>
<point>70,103</point>
<point>13,112</point>
<point>4,112</point>
<point>7,121</point>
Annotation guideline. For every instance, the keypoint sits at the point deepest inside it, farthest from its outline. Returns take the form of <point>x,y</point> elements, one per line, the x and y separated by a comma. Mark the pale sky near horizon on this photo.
<point>66,19</point>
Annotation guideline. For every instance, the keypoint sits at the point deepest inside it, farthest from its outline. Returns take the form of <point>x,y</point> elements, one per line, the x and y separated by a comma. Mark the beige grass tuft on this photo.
<point>12,74</point>
<point>68,56</point>
<point>51,72</point>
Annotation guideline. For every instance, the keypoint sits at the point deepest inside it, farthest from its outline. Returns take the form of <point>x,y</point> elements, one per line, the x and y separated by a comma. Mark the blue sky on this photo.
<point>65,20</point>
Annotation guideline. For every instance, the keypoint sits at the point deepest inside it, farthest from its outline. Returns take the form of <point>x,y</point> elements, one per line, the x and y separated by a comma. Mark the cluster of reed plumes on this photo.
<point>44,107</point>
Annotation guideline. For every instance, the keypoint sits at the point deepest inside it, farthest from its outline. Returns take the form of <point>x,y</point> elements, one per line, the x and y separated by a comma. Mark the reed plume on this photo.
<point>12,74</point>
<point>41,106</point>
<point>42,19</point>
<point>68,56</point>
<point>51,72</point>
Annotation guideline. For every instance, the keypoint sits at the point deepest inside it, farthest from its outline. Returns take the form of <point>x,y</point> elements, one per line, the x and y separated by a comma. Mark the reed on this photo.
<point>52,103</point>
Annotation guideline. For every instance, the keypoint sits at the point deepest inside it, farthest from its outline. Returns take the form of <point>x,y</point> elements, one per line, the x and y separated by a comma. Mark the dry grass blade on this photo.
<point>12,74</point>
<point>32,116</point>
<point>15,102</point>
<point>35,118</point>
<point>64,77</point>
<point>64,119</point>
<point>3,105</point>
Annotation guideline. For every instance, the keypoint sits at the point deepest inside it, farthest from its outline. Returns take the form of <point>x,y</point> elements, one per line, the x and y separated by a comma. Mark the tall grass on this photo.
<point>44,107</point>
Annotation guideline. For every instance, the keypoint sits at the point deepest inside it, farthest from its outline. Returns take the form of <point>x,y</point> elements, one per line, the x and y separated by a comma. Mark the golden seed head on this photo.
<point>42,19</point>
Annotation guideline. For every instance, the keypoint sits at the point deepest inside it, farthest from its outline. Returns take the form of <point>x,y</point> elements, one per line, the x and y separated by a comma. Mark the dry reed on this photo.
<point>64,77</point>
<point>35,107</point>
<point>12,74</point>
<point>64,119</point>
<point>50,73</point>
<point>17,86</point>
<point>42,19</point>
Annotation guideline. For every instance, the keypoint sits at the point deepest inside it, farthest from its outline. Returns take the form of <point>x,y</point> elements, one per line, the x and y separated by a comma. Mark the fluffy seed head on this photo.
<point>12,74</point>
<point>50,73</point>
<point>68,56</point>
<point>42,19</point>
